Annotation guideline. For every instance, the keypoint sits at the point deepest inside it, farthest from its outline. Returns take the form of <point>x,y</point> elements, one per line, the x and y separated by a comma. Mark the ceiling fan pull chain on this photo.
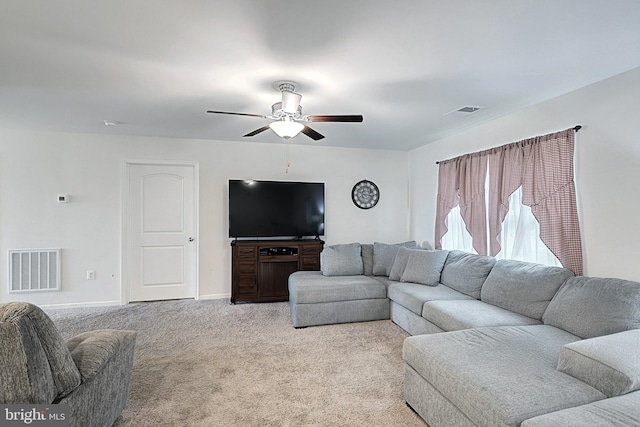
<point>287,158</point>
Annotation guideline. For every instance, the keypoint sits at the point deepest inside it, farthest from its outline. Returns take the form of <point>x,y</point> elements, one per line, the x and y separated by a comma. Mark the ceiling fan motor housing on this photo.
<point>278,112</point>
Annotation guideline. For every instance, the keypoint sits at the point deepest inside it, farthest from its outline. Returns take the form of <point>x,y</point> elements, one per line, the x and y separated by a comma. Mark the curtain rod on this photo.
<point>576,128</point>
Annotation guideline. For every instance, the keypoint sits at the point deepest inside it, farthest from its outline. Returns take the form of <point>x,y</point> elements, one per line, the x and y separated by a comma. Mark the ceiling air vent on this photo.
<point>466,110</point>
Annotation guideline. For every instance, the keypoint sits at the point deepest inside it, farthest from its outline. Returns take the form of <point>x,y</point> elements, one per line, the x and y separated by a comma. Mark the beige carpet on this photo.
<point>210,363</point>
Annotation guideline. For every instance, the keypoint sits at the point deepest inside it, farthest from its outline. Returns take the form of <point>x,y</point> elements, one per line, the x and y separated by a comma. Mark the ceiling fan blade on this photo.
<point>312,133</point>
<point>237,114</point>
<point>336,118</point>
<point>257,131</point>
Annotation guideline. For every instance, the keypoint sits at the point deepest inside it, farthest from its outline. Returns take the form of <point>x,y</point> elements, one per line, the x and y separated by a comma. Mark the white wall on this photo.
<point>607,167</point>
<point>37,166</point>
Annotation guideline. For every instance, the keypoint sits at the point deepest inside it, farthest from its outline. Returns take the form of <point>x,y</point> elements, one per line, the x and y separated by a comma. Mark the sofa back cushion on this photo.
<point>523,287</point>
<point>342,260</point>
<point>610,363</point>
<point>400,263</point>
<point>367,258</point>
<point>466,272</point>
<point>385,254</point>
<point>591,307</point>
<point>35,360</point>
<point>424,267</point>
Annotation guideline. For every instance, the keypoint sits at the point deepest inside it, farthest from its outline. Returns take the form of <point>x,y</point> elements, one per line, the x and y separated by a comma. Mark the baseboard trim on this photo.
<point>116,302</point>
<point>215,296</point>
<point>82,304</point>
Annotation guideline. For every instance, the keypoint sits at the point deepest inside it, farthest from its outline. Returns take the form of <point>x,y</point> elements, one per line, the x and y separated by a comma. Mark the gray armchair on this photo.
<point>91,372</point>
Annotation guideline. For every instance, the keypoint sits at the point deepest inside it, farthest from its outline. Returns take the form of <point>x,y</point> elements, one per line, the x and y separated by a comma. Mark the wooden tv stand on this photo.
<point>261,268</point>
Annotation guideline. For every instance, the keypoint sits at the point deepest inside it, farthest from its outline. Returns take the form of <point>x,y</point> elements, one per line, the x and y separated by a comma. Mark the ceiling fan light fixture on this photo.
<point>286,128</point>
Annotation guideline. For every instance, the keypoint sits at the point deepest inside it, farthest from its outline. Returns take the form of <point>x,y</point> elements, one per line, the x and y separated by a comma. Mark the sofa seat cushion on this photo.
<point>499,376</point>
<point>309,287</point>
<point>464,314</point>
<point>622,411</point>
<point>413,296</point>
<point>384,280</point>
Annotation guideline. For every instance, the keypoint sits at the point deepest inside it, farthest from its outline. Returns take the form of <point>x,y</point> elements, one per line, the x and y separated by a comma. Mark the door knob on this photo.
<point>191,239</point>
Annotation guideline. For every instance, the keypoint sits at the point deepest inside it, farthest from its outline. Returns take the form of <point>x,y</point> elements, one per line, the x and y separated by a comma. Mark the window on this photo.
<point>519,235</point>
<point>516,201</point>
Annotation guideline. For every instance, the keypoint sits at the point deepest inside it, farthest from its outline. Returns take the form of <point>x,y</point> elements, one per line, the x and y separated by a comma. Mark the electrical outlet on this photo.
<point>91,275</point>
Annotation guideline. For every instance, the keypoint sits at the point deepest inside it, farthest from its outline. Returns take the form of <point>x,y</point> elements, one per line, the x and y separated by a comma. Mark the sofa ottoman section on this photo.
<point>315,299</point>
<point>430,404</point>
<point>495,376</point>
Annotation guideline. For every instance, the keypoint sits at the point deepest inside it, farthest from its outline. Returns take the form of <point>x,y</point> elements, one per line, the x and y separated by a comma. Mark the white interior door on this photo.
<point>161,237</point>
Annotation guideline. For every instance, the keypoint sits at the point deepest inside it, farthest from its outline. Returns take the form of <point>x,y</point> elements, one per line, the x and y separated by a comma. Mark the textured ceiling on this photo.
<point>156,66</point>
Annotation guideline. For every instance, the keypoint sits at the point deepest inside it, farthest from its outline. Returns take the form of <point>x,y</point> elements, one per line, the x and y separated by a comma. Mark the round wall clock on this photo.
<point>365,194</point>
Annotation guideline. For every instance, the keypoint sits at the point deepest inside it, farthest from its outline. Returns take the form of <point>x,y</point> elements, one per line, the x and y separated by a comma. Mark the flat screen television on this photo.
<point>275,209</point>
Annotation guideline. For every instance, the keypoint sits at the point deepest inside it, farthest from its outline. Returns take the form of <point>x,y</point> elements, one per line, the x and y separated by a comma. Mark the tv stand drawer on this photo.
<point>247,252</point>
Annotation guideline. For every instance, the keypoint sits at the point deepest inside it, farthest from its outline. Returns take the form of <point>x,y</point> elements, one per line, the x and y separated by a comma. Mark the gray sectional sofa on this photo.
<point>494,343</point>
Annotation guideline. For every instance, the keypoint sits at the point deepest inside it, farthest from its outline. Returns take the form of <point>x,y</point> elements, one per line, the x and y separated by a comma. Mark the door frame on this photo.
<point>125,211</point>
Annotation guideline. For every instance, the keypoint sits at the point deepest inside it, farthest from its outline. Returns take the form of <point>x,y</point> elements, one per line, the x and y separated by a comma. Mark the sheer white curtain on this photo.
<point>520,235</point>
<point>457,236</point>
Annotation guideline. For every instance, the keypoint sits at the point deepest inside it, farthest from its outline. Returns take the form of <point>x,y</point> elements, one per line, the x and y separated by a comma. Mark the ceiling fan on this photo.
<point>288,116</point>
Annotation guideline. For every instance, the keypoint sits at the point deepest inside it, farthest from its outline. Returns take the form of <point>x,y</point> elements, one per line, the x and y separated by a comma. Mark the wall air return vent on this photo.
<point>34,270</point>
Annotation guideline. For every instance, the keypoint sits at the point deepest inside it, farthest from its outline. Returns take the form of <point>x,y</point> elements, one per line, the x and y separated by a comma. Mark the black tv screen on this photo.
<point>275,209</point>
